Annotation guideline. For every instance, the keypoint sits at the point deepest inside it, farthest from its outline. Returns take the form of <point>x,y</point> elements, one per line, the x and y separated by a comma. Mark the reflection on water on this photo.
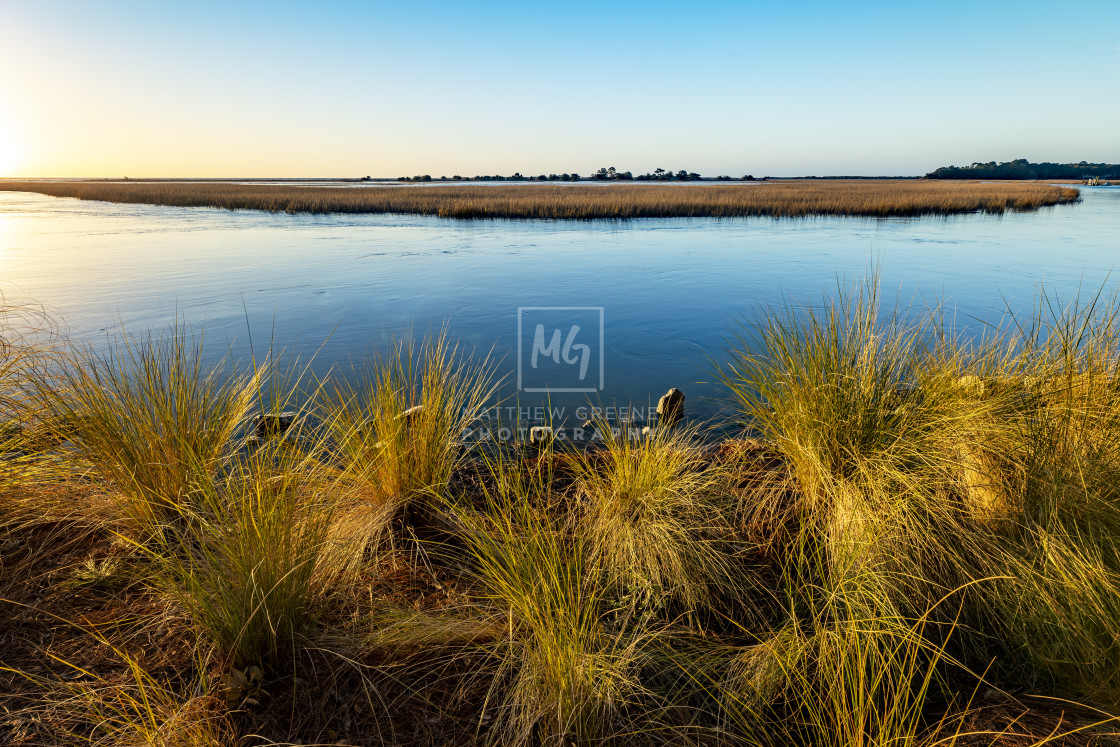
<point>670,289</point>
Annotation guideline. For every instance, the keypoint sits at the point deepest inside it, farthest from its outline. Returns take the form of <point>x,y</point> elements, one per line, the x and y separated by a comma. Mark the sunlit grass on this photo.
<point>924,523</point>
<point>242,560</point>
<point>152,420</point>
<point>397,423</point>
<point>28,347</point>
<point>565,676</point>
<point>652,515</point>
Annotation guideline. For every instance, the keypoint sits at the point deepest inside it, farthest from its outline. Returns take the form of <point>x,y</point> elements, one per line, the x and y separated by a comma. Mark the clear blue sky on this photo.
<point>348,89</point>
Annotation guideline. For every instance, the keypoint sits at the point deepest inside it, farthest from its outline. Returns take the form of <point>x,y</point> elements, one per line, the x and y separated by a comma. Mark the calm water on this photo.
<point>670,290</point>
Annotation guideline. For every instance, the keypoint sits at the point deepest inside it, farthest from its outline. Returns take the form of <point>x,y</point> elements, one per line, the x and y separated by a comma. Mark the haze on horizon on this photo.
<point>211,89</point>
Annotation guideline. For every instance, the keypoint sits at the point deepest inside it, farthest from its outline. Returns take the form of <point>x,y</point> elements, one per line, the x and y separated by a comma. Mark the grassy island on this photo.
<point>793,198</point>
<point>916,542</point>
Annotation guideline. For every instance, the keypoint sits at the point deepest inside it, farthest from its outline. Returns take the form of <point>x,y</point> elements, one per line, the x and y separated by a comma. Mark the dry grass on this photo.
<point>884,606</point>
<point>794,199</point>
<point>651,511</point>
<point>28,346</point>
<point>151,420</point>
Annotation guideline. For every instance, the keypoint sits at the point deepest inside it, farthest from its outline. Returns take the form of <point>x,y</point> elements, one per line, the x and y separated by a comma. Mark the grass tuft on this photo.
<point>398,424</point>
<point>566,675</point>
<point>243,562</point>
<point>151,420</point>
<point>652,516</point>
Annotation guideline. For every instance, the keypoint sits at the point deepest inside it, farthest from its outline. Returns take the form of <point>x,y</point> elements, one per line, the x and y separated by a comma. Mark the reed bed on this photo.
<point>917,546</point>
<point>786,199</point>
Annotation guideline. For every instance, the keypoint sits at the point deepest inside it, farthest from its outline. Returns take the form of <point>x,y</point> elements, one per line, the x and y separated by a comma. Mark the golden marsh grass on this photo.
<point>562,596</point>
<point>792,199</point>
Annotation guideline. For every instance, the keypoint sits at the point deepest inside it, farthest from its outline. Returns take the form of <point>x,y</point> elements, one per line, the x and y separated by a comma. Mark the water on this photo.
<point>670,290</point>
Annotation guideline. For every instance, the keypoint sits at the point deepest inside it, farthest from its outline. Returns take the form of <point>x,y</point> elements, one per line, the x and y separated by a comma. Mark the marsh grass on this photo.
<point>29,344</point>
<point>922,517</point>
<point>234,530</point>
<point>565,677</point>
<point>152,420</point>
<point>848,665</point>
<point>145,711</point>
<point>925,464</point>
<point>397,425</point>
<point>1067,595</point>
<point>653,518</point>
<point>874,198</point>
<point>869,412</point>
<point>132,707</point>
<point>243,559</point>
<point>856,682</point>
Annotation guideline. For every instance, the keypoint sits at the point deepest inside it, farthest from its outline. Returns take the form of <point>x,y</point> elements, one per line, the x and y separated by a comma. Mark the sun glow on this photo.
<point>12,151</point>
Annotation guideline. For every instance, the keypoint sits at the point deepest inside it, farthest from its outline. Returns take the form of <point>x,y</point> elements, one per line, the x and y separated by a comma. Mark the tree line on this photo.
<point>608,173</point>
<point>1021,168</point>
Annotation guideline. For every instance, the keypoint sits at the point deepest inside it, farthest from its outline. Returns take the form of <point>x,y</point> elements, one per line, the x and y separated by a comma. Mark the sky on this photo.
<point>346,89</point>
